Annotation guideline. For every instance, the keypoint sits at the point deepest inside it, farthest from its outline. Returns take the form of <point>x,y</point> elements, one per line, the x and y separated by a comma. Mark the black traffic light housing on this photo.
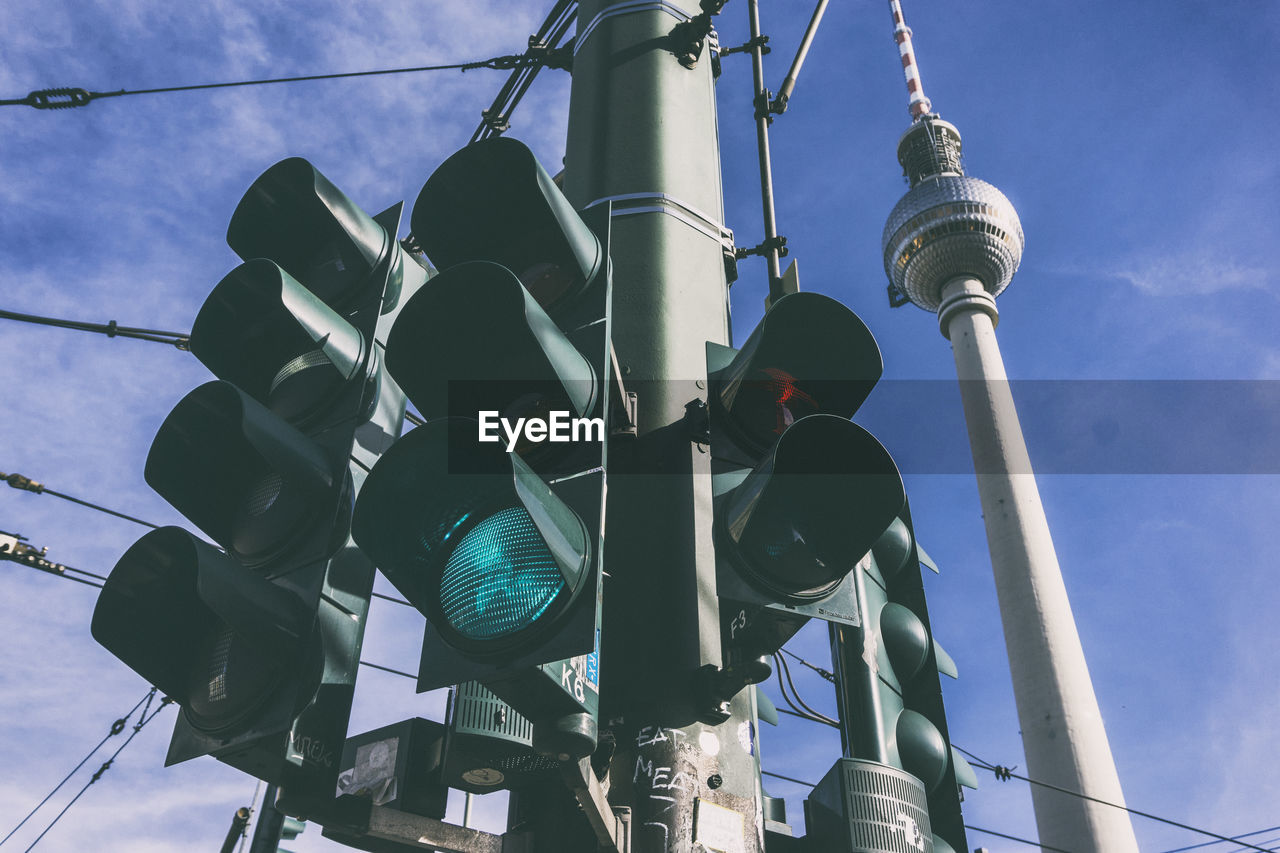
<point>801,492</point>
<point>892,710</point>
<point>493,201</point>
<point>498,544</point>
<point>259,642</point>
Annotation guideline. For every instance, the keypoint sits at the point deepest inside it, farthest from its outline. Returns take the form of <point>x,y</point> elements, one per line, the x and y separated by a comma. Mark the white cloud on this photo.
<point>1194,272</point>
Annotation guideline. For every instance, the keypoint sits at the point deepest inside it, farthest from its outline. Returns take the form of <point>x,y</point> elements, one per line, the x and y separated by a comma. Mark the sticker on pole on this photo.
<point>717,829</point>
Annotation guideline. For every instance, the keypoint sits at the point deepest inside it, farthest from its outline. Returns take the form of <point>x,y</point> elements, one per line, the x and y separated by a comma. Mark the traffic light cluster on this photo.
<point>812,522</point>
<point>257,637</point>
<point>489,517</point>
<point>801,492</point>
<point>290,464</point>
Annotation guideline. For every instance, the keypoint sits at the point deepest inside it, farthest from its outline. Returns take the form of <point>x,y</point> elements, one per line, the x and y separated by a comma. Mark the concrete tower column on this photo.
<point>1062,731</point>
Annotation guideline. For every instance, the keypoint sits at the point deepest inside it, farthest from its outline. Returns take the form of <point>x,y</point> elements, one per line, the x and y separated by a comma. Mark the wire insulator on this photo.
<point>25,483</point>
<point>63,98</point>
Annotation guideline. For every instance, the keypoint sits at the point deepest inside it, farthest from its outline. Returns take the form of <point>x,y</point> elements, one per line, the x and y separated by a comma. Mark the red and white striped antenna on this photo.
<point>918,104</point>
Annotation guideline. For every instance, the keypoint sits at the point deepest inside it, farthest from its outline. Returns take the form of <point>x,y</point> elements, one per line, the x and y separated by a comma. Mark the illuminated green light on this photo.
<point>500,578</point>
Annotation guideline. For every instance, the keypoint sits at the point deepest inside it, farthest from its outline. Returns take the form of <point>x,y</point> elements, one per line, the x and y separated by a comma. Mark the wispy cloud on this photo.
<point>1193,272</point>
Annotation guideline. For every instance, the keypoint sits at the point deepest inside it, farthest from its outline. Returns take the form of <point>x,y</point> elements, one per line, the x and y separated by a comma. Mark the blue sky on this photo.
<point>1135,140</point>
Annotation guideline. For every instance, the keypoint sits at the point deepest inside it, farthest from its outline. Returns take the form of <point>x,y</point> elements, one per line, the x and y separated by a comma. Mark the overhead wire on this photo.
<point>111,329</point>
<point>388,669</point>
<point>1016,838</point>
<point>1234,839</point>
<point>811,719</point>
<point>26,484</point>
<point>392,599</point>
<point>1272,840</point>
<point>495,120</point>
<point>60,574</point>
<point>787,778</point>
<point>1006,773</point>
<point>68,97</point>
<point>825,673</point>
<point>116,728</point>
<point>142,722</point>
<point>784,670</point>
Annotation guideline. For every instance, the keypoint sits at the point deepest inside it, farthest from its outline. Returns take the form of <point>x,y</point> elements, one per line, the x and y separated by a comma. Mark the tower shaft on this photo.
<point>1062,731</point>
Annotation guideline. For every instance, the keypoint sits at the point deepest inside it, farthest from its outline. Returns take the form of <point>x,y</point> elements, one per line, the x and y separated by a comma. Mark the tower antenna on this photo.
<point>918,103</point>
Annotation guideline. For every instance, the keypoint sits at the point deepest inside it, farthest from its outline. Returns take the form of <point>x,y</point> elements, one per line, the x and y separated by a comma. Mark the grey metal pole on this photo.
<point>862,733</point>
<point>266,833</point>
<point>236,831</point>
<point>772,253</point>
<point>789,82</point>
<point>643,135</point>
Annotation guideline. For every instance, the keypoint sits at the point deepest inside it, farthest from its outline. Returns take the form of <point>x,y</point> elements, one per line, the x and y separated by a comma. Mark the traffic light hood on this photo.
<point>809,355</point>
<point>295,216</point>
<point>493,201</point>
<point>173,598</point>
<point>244,476</point>
<point>261,330</point>
<point>474,339</point>
<point>812,507</point>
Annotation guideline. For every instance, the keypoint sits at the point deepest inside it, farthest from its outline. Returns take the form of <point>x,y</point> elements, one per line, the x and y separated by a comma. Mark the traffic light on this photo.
<point>489,517</point>
<point>258,639</point>
<point>801,492</point>
<point>891,704</point>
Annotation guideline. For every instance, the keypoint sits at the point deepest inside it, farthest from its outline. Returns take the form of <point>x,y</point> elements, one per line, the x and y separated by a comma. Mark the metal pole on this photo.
<point>862,732</point>
<point>772,254</point>
<point>266,834</point>
<point>789,82</point>
<point>643,134</point>
<point>236,831</point>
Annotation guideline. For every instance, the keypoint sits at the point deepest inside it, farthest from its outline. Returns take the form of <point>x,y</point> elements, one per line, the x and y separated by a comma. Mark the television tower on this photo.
<point>951,245</point>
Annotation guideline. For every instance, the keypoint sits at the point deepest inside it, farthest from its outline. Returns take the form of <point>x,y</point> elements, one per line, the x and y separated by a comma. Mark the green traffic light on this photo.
<point>499,578</point>
<point>472,538</point>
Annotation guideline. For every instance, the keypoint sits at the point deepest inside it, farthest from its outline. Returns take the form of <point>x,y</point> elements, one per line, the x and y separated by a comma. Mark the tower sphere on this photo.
<point>949,225</point>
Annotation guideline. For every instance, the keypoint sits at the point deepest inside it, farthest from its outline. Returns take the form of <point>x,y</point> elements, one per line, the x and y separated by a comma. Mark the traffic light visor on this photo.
<point>244,476</point>
<point>493,201</point>
<point>816,503</point>
<point>473,339</point>
<point>199,626</point>
<point>267,334</point>
<point>295,216</point>
<point>809,355</point>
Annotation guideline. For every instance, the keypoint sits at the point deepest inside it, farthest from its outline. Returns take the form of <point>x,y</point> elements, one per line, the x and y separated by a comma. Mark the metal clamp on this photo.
<point>778,244</point>
<point>630,204</point>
